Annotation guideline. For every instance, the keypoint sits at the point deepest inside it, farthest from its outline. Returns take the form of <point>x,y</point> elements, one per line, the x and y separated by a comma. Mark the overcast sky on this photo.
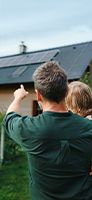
<point>43,24</point>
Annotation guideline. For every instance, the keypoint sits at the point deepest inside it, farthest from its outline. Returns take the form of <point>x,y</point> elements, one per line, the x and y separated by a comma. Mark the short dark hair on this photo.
<point>51,81</point>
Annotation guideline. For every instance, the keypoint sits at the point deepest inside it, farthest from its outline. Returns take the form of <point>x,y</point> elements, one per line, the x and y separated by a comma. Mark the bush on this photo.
<point>86,79</point>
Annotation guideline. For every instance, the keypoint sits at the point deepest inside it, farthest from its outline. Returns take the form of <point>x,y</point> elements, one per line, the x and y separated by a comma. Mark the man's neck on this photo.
<point>54,107</point>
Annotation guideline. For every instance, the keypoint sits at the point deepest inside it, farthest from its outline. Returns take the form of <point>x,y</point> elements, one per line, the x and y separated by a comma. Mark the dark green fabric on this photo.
<point>59,150</point>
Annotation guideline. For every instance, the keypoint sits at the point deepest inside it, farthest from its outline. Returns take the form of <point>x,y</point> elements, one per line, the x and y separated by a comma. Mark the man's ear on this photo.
<point>38,95</point>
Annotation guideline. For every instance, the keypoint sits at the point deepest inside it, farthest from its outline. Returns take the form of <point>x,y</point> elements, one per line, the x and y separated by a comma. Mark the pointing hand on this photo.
<point>20,93</point>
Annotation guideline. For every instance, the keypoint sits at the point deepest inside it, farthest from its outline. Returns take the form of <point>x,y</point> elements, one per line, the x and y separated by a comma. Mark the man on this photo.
<point>58,143</point>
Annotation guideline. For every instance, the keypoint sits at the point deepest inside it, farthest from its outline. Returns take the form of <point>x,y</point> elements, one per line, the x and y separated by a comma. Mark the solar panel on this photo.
<point>32,58</point>
<point>19,71</point>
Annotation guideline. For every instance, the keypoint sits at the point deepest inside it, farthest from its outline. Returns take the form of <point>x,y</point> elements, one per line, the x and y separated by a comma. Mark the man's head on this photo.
<point>51,81</point>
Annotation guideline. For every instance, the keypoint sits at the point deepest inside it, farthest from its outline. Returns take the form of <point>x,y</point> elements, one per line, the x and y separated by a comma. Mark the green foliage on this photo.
<point>14,180</point>
<point>11,149</point>
<point>86,79</point>
<point>1,118</point>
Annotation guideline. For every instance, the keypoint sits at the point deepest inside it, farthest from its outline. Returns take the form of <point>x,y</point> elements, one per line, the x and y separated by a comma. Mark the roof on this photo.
<point>19,68</point>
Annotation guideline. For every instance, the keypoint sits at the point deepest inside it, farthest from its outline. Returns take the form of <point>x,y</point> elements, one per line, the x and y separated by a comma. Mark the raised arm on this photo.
<point>19,95</point>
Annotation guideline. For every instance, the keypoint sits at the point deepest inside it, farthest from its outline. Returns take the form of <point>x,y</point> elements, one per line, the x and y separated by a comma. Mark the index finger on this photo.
<point>22,86</point>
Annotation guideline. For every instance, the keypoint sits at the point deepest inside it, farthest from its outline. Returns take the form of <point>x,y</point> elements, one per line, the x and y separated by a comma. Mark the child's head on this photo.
<point>79,98</point>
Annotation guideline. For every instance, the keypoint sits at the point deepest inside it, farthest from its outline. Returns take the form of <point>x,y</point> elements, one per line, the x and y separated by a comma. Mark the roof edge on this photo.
<point>52,48</point>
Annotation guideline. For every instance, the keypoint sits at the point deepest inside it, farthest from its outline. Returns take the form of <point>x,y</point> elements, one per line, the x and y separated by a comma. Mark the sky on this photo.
<point>43,24</point>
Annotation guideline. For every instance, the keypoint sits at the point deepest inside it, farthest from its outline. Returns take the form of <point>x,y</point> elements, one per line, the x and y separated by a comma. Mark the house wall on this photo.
<point>6,97</point>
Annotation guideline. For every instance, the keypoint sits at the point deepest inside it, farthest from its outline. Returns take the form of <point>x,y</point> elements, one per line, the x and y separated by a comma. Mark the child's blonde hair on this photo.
<point>79,98</point>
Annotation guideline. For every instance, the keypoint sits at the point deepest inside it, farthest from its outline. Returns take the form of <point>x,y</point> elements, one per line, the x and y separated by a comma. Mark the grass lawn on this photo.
<point>14,180</point>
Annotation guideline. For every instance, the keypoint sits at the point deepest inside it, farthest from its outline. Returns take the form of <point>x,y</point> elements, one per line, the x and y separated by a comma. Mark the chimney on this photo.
<point>22,48</point>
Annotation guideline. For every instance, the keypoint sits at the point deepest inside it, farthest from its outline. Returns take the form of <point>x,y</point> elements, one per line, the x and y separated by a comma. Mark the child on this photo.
<point>79,99</point>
